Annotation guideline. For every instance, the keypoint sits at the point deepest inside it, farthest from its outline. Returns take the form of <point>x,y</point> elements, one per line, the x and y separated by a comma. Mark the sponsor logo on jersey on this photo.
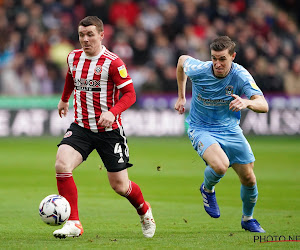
<point>211,102</point>
<point>122,71</point>
<point>229,90</point>
<point>98,70</point>
<point>68,134</point>
<point>87,84</point>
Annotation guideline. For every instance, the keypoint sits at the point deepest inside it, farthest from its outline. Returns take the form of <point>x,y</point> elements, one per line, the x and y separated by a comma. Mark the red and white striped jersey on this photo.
<point>97,81</point>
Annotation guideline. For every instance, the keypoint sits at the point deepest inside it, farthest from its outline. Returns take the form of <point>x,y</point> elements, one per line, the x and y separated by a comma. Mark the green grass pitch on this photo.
<point>169,173</point>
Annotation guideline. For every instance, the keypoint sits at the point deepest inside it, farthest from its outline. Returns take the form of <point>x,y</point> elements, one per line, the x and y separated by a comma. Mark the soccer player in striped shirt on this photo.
<point>217,87</point>
<point>96,76</point>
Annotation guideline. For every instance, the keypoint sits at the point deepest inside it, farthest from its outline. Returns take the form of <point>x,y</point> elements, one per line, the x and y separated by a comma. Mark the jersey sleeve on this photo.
<point>119,74</point>
<point>128,98</point>
<point>192,66</point>
<point>68,88</point>
<point>69,83</point>
<point>249,87</point>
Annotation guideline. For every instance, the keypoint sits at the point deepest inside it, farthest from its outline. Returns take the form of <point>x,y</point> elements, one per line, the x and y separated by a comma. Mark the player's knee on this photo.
<point>221,171</point>
<point>119,188</point>
<point>221,168</point>
<point>61,166</point>
<point>249,180</point>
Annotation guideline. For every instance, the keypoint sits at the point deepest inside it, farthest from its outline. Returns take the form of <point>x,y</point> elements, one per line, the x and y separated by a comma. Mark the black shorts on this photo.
<point>111,146</point>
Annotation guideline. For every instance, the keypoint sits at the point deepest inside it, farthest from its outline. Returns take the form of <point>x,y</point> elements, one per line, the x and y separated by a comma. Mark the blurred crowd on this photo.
<point>149,35</point>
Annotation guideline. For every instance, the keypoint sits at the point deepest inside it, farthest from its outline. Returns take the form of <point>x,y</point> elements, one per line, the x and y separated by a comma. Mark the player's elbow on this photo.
<point>259,104</point>
<point>265,107</point>
<point>266,110</point>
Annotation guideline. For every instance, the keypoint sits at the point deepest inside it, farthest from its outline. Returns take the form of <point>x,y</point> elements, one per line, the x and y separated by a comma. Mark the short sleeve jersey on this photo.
<point>211,95</point>
<point>97,81</point>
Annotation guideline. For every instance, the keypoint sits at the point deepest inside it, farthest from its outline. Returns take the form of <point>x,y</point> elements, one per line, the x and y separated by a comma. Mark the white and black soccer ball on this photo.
<point>54,210</point>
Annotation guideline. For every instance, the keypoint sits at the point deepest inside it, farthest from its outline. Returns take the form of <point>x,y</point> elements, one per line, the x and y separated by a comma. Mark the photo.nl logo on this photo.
<point>276,238</point>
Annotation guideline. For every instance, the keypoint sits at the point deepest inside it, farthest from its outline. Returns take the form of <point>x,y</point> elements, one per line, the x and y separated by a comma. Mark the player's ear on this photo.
<point>102,35</point>
<point>233,56</point>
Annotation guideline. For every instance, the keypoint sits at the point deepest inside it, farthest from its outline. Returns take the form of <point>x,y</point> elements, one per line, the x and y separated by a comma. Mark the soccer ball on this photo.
<point>54,210</point>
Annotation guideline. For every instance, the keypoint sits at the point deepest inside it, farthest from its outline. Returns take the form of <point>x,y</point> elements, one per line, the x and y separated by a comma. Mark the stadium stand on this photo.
<point>37,35</point>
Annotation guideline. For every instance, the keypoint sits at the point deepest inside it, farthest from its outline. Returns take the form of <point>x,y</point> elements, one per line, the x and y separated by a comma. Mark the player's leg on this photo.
<point>217,164</point>
<point>120,182</point>
<point>114,153</point>
<point>249,192</point>
<point>67,159</point>
<point>72,150</point>
<point>242,161</point>
<point>249,195</point>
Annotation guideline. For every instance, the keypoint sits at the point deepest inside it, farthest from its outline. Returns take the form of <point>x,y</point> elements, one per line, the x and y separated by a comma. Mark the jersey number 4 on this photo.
<point>118,150</point>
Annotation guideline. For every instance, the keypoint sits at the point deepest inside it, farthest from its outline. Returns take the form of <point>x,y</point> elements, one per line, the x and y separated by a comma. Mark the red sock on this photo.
<point>135,196</point>
<point>67,188</point>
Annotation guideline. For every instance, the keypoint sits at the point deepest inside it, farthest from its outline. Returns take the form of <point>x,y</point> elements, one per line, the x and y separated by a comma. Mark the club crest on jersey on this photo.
<point>200,146</point>
<point>68,134</point>
<point>98,70</point>
<point>229,90</point>
<point>122,71</point>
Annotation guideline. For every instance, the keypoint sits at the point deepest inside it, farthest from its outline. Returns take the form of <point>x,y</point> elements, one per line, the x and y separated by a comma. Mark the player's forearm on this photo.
<point>181,77</point>
<point>258,104</point>
<point>68,88</point>
<point>128,98</point>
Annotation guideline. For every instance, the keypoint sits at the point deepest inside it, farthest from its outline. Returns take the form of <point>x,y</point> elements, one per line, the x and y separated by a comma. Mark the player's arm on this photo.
<point>181,83</point>
<point>256,103</point>
<point>128,98</point>
<point>124,83</point>
<point>63,105</point>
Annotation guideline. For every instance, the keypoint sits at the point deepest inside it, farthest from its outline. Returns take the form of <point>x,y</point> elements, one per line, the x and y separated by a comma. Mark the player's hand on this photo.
<point>63,108</point>
<point>179,105</point>
<point>237,104</point>
<point>106,119</point>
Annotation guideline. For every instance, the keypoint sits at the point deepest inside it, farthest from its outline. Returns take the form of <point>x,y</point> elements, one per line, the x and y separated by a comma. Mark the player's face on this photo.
<point>90,39</point>
<point>222,61</point>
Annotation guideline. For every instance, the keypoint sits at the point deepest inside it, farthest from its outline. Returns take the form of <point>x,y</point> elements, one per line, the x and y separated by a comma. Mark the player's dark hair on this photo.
<point>92,20</point>
<point>221,43</point>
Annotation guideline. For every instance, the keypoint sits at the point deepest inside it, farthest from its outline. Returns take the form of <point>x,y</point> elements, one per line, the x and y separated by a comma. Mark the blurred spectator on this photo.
<point>98,8</point>
<point>150,18</point>
<point>123,49</point>
<point>152,83</point>
<point>18,79</point>
<point>172,24</point>
<point>140,47</point>
<point>161,49</point>
<point>123,11</point>
<point>292,79</point>
<point>273,80</point>
<point>59,51</point>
